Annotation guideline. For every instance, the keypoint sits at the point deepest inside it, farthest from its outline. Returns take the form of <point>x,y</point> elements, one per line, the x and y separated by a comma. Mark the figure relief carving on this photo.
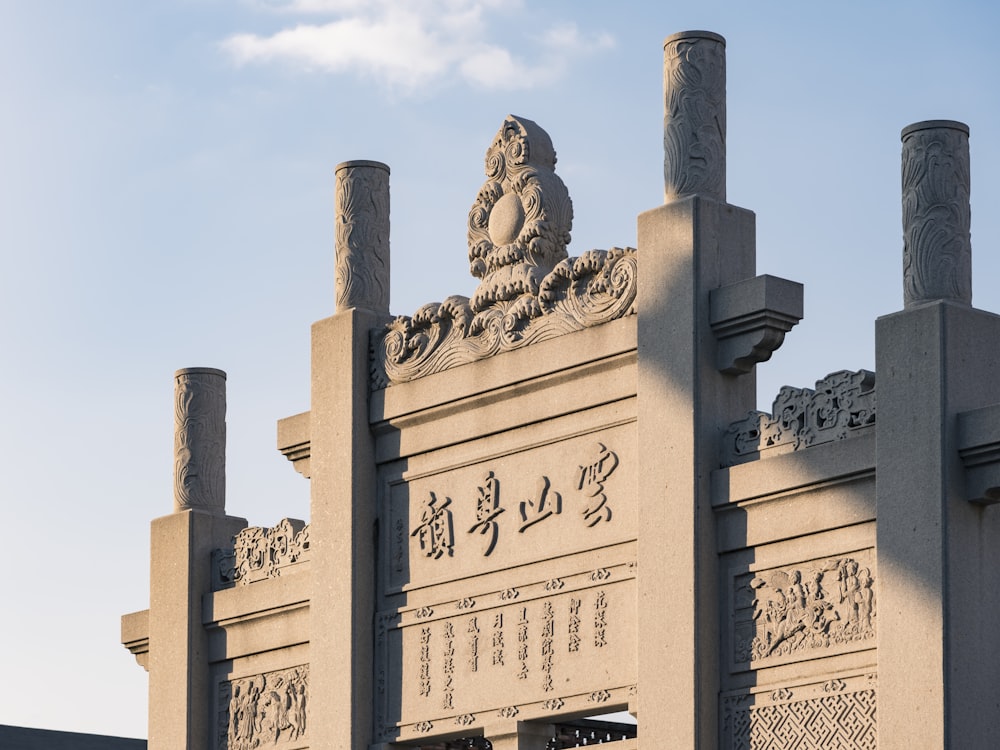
<point>694,118</point>
<point>530,290</point>
<point>362,236</point>
<point>841,406</point>
<point>259,553</point>
<point>937,248</point>
<point>267,710</point>
<point>787,612</point>
<point>200,439</point>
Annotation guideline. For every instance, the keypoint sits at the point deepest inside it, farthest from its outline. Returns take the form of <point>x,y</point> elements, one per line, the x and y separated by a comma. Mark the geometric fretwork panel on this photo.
<point>835,719</point>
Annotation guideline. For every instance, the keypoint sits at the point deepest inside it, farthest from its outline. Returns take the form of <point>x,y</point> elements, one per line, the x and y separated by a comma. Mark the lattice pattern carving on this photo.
<point>260,553</point>
<point>842,405</point>
<point>845,721</point>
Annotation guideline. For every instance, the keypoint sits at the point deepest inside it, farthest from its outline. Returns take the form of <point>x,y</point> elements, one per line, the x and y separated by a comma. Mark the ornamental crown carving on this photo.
<point>519,225</point>
<point>530,289</point>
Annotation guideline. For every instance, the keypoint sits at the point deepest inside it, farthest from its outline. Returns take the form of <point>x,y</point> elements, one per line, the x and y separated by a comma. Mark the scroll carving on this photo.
<point>842,404</point>
<point>267,710</point>
<point>200,439</point>
<point>798,610</point>
<point>362,236</point>
<point>694,118</point>
<point>530,290</point>
<point>937,249</point>
<point>259,553</point>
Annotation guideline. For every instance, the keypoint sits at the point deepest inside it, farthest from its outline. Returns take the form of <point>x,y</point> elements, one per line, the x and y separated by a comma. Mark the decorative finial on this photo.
<point>520,224</point>
<point>694,116</point>
<point>200,439</point>
<point>937,248</point>
<point>362,236</point>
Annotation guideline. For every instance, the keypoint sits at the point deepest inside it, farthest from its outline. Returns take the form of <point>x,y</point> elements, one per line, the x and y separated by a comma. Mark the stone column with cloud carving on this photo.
<point>200,439</point>
<point>362,236</point>
<point>937,250</point>
<point>939,565</point>
<point>694,115</point>
<point>689,246</point>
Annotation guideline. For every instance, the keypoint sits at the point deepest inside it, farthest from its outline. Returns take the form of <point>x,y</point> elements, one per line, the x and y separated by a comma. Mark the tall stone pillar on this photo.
<point>343,482</point>
<point>180,699</point>
<point>938,553</point>
<point>691,245</point>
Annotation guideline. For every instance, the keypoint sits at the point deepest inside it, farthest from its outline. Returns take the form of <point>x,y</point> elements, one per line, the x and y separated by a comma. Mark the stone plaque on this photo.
<point>551,500</point>
<point>562,642</point>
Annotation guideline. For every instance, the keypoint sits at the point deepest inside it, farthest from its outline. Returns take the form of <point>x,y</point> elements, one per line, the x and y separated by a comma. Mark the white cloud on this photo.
<point>413,44</point>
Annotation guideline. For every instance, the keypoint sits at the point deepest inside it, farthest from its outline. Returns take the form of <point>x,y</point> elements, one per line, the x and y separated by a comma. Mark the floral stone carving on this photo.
<point>530,290</point>
<point>842,404</point>
<point>259,553</point>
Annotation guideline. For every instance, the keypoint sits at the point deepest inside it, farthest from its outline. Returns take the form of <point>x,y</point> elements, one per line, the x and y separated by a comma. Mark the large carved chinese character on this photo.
<point>592,476</point>
<point>541,507</point>
<point>435,531</point>
<point>487,510</point>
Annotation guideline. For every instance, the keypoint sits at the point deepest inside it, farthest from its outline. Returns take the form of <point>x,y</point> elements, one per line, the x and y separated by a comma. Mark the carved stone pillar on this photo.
<point>200,440</point>
<point>694,115</point>
<point>362,236</point>
<point>937,252</point>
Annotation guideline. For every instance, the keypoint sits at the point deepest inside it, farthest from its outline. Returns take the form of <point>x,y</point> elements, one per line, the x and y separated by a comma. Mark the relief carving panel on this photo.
<point>819,607</point>
<point>264,711</point>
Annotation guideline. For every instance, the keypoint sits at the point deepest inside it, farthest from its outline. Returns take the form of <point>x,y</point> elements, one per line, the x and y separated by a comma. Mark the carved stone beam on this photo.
<point>979,449</point>
<point>200,440</point>
<point>694,115</point>
<point>937,250</point>
<point>362,236</point>
<point>750,319</point>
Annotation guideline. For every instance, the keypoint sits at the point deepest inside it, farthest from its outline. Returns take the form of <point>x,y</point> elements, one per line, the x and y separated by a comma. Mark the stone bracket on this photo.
<point>294,442</point>
<point>979,449</point>
<point>750,319</point>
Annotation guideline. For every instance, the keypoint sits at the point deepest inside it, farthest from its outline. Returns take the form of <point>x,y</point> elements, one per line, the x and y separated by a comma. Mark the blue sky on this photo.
<point>166,191</point>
